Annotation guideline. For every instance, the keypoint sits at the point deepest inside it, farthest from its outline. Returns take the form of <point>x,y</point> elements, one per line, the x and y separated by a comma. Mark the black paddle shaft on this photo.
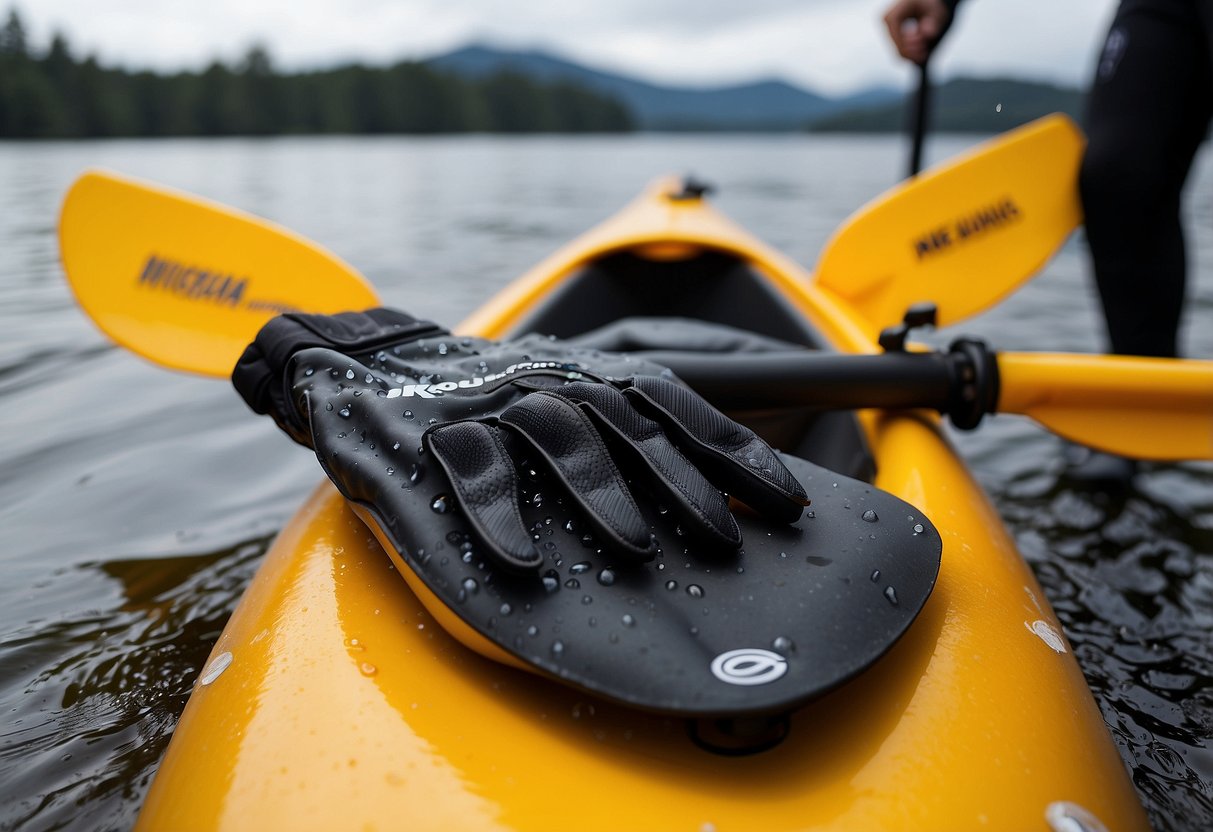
<point>962,382</point>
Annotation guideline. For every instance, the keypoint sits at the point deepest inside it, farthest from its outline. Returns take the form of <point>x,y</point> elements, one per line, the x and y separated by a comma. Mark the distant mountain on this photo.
<point>965,105</point>
<point>763,105</point>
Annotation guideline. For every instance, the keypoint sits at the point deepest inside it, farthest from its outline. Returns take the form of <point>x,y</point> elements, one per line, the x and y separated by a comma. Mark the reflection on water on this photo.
<point>136,503</point>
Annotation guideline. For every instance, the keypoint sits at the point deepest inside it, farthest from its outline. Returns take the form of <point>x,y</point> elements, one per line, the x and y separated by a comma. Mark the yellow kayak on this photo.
<point>335,700</point>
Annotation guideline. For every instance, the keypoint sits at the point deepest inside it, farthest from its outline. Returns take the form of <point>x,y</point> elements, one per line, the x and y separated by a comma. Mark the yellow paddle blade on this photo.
<point>185,282</point>
<point>964,234</point>
<point>1147,408</point>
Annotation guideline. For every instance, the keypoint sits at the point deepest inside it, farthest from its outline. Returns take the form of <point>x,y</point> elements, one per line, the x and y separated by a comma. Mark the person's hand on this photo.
<point>915,26</point>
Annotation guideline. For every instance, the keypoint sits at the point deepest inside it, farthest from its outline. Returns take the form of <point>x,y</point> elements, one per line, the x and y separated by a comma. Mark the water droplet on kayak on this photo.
<point>369,378</point>
<point>870,516</point>
<point>783,644</point>
<point>537,500</point>
<point>557,648</point>
<point>551,581</point>
<point>818,561</point>
<point>309,371</point>
<point>695,591</point>
<point>354,644</point>
<point>606,577</point>
<point>810,514</point>
<point>918,529</point>
<point>532,631</point>
<point>367,669</point>
<point>891,594</point>
<point>628,620</point>
<point>506,609</point>
<point>579,568</point>
<point>391,471</point>
<point>753,462</point>
<point>572,583</point>
<point>783,555</point>
<point>875,575</point>
<point>441,504</point>
<point>587,600</point>
<point>329,407</point>
<point>671,585</point>
<point>349,373</point>
<point>570,527</point>
<point>396,447</point>
<point>344,412</point>
<point>416,472</point>
<point>408,414</point>
<point>470,586</point>
<point>215,669</point>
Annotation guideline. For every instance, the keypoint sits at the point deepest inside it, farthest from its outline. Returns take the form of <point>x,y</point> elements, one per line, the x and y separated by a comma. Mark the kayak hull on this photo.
<point>342,704</point>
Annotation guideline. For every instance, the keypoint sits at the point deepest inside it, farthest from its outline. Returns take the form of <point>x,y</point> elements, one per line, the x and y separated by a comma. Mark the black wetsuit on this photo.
<point>1148,111</point>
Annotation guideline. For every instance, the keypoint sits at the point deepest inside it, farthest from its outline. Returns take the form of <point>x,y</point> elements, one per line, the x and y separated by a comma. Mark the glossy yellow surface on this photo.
<point>963,234</point>
<point>346,707</point>
<point>185,282</point>
<point>1149,408</point>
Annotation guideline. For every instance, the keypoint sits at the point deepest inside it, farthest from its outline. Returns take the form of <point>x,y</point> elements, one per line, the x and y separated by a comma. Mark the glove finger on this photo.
<point>576,454</point>
<point>696,501</point>
<point>486,485</point>
<point>731,454</point>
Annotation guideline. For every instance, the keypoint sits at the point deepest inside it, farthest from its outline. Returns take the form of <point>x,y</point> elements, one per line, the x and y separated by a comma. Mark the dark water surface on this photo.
<point>136,503</point>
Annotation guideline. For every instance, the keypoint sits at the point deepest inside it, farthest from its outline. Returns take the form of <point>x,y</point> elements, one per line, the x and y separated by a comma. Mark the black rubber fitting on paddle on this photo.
<point>975,385</point>
<point>893,338</point>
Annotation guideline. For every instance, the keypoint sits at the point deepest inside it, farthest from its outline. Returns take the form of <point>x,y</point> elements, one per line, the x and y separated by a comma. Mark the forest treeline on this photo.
<point>54,95</point>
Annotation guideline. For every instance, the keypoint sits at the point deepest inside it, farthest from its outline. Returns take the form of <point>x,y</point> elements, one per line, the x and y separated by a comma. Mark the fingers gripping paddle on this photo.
<point>963,235</point>
<point>185,282</point>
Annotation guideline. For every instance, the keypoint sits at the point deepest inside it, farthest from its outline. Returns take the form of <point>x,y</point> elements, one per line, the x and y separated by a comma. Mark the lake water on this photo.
<point>136,503</point>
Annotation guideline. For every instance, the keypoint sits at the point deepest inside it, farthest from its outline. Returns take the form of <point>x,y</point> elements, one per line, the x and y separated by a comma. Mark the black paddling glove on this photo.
<point>400,412</point>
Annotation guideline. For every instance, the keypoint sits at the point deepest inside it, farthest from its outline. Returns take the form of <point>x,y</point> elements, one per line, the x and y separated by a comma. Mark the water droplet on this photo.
<point>572,583</point>
<point>579,568</point>
<point>408,414</point>
<point>416,472</point>
<point>349,373</point>
<point>532,631</point>
<point>671,585</point>
<point>470,586</point>
<point>329,407</point>
<point>628,620</point>
<point>441,504</point>
<point>367,669</point>
<point>818,561</point>
<point>354,644</point>
<point>870,516</point>
<point>754,463</point>
<point>344,412</point>
<point>309,371</point>
<point>875,575</point>
<point>369,378</point>
<point>586,599</point>
<point>537,499</point>
<point>783,644</point>
<point>506,609</point>
<point>695,591</point>
<point>918,529</point>
<point>606,577</point>
<point>570,527</point>
<point>391,471</point>
<point>891,594</point>
<point>551,581</point>
<point>557,648</point>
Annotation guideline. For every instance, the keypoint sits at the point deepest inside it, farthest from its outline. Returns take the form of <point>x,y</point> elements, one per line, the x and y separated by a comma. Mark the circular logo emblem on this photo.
<point>749,666</point>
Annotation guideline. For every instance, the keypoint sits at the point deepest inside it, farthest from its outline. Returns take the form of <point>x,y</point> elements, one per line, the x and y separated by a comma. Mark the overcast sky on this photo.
<point>833,46</point>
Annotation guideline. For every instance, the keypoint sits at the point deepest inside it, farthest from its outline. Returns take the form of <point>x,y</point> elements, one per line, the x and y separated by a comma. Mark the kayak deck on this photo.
<point>337,701</point>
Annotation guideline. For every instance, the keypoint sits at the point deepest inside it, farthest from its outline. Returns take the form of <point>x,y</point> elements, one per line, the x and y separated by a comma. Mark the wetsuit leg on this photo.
<point>1148,111</point>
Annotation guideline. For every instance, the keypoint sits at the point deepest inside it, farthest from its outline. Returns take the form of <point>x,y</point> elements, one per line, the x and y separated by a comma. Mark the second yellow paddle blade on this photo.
<point>964,234</point>
<point>186,282</point>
